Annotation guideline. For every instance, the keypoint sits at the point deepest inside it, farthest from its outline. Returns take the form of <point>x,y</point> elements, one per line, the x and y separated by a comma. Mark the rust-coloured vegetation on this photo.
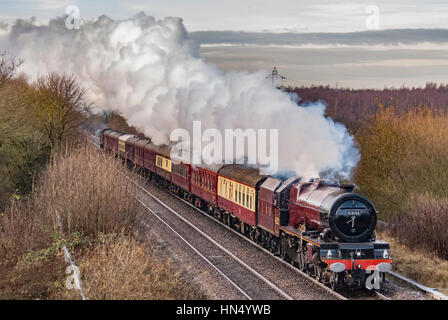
<point>97,211</point>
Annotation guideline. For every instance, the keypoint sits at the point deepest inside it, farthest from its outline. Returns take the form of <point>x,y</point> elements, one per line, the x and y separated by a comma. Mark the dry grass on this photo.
<point>125,269</point>
<point>91,198</point>
<point>97,212</point>
<point>424,224</point>
<point>22,229</point>
<point>86,190</point>
<point>417,264</point>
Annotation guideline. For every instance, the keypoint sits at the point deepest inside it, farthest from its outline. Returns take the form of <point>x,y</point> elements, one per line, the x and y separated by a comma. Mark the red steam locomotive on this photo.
<point>320,226</point>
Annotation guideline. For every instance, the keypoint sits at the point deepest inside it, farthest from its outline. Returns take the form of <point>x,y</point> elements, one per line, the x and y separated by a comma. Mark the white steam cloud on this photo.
<point>151,72</point>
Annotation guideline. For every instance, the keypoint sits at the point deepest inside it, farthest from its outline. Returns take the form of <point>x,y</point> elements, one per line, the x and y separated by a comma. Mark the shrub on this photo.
<point>402,156</point>
<point>86,190</point>
<point>424,223</point>
<point>125,269</point>
<point>91,198</point>
<point>22,229</point>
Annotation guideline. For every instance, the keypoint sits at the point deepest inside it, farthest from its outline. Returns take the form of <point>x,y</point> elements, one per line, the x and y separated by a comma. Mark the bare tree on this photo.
<point>59,106</point>
<point>8,67</point>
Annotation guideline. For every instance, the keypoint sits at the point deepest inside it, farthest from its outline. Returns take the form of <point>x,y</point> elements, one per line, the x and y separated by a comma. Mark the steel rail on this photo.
<point>196,251</point>
<point>206,236</point>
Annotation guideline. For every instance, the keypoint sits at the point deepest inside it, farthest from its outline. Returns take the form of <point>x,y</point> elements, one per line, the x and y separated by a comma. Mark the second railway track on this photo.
<point>253,273</point>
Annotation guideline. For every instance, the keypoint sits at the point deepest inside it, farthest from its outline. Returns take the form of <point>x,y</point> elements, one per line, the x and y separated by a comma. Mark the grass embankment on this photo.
<point>404,171</point>
<point>417,264</point>
<point>97,216</point>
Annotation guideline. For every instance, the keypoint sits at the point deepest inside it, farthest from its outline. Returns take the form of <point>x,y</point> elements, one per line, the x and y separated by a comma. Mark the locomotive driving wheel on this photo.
<point>317,272</point>
<point>334,281</point>
<point>302,261</point>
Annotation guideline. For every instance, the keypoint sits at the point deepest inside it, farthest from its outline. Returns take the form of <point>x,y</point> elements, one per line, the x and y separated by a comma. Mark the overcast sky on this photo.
<point>315,42</point>
<point>250,15</point>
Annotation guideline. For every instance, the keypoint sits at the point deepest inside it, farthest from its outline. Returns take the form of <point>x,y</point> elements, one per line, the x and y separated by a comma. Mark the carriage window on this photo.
<point>225,188</point>
<point>230,190</point>
<point>239,194</point>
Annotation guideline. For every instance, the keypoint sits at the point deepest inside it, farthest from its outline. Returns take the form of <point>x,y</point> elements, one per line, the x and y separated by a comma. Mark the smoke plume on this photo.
<point>151,72</point>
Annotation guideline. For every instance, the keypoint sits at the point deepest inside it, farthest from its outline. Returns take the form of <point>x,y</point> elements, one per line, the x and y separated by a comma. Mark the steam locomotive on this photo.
<point>320,226</point>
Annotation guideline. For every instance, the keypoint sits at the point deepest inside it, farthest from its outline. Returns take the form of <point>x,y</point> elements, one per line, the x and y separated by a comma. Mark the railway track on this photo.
<point>338,295</point>
<point>250,284</point>
<point>243,277</point>
<point>264,288</point>
<point>225,260</point>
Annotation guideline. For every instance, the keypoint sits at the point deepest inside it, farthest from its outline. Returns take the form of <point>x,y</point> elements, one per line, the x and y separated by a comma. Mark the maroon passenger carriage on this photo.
<point>237,196</point>
<point>320,226</point>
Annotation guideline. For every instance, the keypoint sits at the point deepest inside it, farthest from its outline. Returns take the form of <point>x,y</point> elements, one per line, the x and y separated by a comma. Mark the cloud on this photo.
<point>44,4</point>
<point>380,37</point>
